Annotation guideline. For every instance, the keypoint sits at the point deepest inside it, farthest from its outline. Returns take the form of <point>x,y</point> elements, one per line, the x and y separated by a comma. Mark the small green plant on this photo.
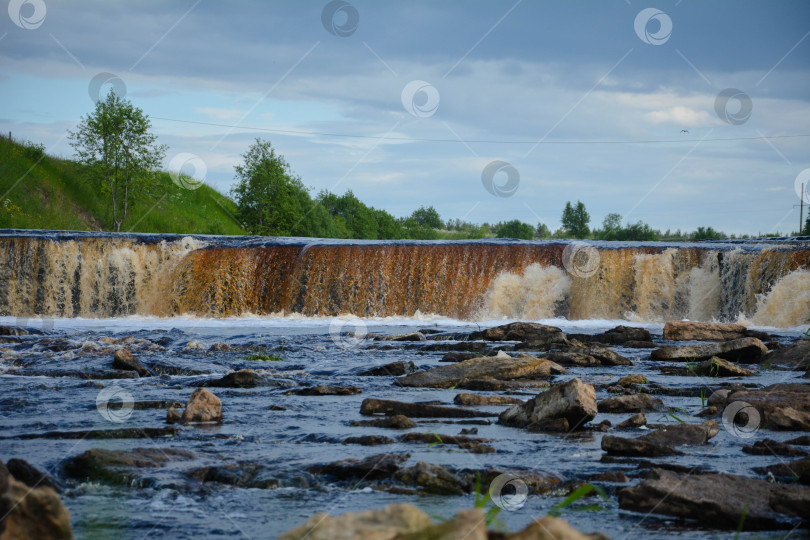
<point>577,494</point>
<point>260,354</point>
<point>702,399</point>
<point>742,521</point>
<point>481,499</point>
<point>437,441</point>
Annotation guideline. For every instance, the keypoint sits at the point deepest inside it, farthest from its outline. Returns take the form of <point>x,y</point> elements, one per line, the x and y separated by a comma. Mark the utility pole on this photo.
<point>801,212</point>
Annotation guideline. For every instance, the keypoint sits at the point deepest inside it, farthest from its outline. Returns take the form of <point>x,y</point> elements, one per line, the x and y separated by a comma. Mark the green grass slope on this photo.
<point>51,193</point>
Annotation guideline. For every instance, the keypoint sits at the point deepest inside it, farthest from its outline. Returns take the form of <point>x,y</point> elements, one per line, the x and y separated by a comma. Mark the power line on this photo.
<point>417,139</point>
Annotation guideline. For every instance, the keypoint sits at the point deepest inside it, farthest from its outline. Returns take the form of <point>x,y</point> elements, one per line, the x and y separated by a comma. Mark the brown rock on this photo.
<point>637,420</point>
<point>790,419</point>
<point>744,350</point>
<point>32,514</point>
<point>717,500</point>
<point>502,367</point>
<point>466,525</point>
<point>709,412</point>
<point>679,434</point>
<point>630,380</point>
<point>717,367</point>
<point>772,404</point>
<point>472,400</point>
<point>381,524</point>
<point>173,416</point>
<point>202,406</point>
<point>371,406</point>
<point>394,369</point>
<point>769,447</point>
<point>574,401</point>
<point>124,360</point>
<point>795,356</point>
<point>523,331</point>
<point>322,390</point>
<point>620,446</point>
<point>588,357</point>
<point>369,440</point>
<point>549,528</point>
<point>371,468</point>
<point>798,470</point>
<point>435,479</point>
<point>702,331</point>
<point>630,403</point>
<point>398,421</point>
<point>244,378</point>
<point>474,444</point>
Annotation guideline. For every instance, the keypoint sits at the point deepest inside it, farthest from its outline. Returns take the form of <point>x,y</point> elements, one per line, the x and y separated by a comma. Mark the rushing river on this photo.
<point>52,379</point>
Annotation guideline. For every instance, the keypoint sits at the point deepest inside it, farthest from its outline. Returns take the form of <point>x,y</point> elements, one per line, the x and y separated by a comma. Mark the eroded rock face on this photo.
<point>717,500</point>
<point>744,350</point>
<point>202,406</point>
<point>573,401</point>
<point>702,331</point>
<point>380,524</point>
<point>502,367</point>
<point>32,514</point>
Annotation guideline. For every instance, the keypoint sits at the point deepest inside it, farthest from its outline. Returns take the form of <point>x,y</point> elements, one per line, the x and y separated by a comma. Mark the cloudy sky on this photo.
<point>677,113</point>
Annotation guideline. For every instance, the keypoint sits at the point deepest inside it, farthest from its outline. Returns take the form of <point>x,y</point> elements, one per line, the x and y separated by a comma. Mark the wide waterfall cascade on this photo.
<point>67,274</point>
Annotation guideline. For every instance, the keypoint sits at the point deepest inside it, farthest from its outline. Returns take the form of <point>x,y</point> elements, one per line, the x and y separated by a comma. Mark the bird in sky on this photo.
<point>684,131</point>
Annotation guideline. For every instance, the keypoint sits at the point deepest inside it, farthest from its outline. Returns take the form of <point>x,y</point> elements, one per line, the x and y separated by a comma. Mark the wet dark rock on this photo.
<point>574,401</point>
<point>173,415</point>
<point>371,468</point>
<point>784,406</point>
<point>32,514</point>
<point>369,440</point>
<point>631,403</point>
<point>219,347</point>
<point>678,434</point>
<point>124,360</point>
<point>119,433</point>
<point>322,390</point>
<point>473,400</point>
<point>470,431</point>
<point>397,421</point>
<point>615,336</point>
<point>500,367</point>
<point>202,407</point>
<point>744,350</point>
<point>795,356</point>
<point>610,476</point>
<point>435,479</point>
<point>155,404</point>
<point>29,475</point>
<point>523,331</point>
<point>709,412</point>
<point>641,344</point>
<point>410,336</point>
<point>467,346</point>
<point>601,355</point>
<point>769,447</point>
<point>637,420</point>
<point>456,356</point>
<point>120,466</point>
<point>244,378</point>
<point>474,444</point>
<point>702,331</point>
<point>620,446</point>
<point>371,406</point>
<point>252,475</point>
<point>803,440</point>
<point>715,367</point>
<point>798,470</point>
<point>12,331</point>
<point>722,501</point>
<point>394,369</point>
<point>495,385</point>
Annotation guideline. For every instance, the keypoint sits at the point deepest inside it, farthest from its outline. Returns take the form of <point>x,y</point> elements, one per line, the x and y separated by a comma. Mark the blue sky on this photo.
<point>568,93</point>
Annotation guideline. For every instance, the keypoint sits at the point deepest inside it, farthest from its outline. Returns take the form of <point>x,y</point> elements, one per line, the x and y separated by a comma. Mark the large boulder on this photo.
<point>32,513</point>
<point>372,406</point>
<point>745,350</point>
<point>537,334</point>
<point>202,407</point>
<point>380,524</point>
<point>573,401</point>
<point>702,331</point>
<point>588,357</point>
<point>502,367</point>
<point>721,501</point>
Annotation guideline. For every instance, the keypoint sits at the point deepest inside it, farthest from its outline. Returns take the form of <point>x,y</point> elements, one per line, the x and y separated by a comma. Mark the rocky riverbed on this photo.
<point>209,430</point>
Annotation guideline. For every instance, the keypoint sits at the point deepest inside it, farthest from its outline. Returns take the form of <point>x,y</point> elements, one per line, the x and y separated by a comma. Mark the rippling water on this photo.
<point>51,380</point>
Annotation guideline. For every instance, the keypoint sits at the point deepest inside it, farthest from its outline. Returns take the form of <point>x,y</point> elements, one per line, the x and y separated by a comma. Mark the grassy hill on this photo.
<point>51,193</point>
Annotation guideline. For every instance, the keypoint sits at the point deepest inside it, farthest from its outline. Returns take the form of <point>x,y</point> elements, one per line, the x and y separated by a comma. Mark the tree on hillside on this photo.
<point>427,217</point>
<point>121,154</point>
<point>707,233</point>
<point>806,230</point>
<point>271,200</point>
<point>575,220</point>
<point>542,231</point>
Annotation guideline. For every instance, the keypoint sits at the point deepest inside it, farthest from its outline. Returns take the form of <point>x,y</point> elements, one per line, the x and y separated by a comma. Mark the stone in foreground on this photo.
<point>718,500</point>
<point>573,401</point>
<point>32,513</point>
<point>502,367</point>
<point>381,524</point>
<point>203,406</point>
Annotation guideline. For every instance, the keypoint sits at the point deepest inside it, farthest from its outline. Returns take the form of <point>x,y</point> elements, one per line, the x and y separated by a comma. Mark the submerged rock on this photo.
<point>795,356</point>
<point>723,501</point>
<point>371,406</point>
<point>120,466</point>
<point>371,468</point>
<point>29,475</point>
<point>502,367</point>
<point>394,369</point>
<point>769,447</point>
<point>630,403</point>
<point>380,524</point>
<point>620,446</point>
<point>661,442</point>
<point>202,406</point>
<point>398,421</point>
<point>322,390</point>
<point>244,378</point>
<point>573,401</point>
<point>637,420</point>
<point>435,479</point>
<point>702,331</point>
<point>32,513</point>
<point>588,357</point>
<point>744,350</point>
<point>798,470</point>
<point>473,444</point>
